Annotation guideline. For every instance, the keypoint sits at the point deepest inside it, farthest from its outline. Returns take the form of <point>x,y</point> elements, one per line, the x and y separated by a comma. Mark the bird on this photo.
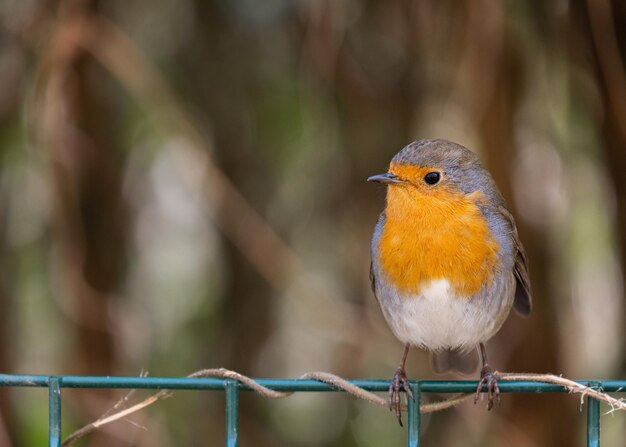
<point>447,264</point>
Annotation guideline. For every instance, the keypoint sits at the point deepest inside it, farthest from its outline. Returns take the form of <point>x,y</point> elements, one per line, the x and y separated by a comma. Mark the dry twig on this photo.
<point>570,385</point>
<point>340,383</point>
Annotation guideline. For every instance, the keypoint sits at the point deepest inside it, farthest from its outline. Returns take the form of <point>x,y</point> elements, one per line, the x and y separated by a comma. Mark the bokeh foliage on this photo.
<point>182,186</point>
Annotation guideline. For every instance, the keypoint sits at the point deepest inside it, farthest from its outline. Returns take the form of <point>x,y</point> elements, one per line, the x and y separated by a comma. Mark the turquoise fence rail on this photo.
<point>55,385</point>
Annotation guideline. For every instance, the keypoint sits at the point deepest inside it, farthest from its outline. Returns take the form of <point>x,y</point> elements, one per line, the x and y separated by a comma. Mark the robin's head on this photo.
<point>437,169</point>
<point>439,203</point>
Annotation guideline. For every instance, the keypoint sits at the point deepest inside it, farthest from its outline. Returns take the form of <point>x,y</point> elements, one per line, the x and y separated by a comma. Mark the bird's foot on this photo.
<point>488,378</point>
<point>398,383</point>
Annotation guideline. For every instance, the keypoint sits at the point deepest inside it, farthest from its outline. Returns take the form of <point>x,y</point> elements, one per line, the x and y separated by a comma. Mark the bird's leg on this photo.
<point>487,377</point>
<point>399,382</point>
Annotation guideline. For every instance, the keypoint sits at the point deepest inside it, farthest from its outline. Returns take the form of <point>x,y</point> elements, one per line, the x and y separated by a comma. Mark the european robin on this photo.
<point>447,263</point>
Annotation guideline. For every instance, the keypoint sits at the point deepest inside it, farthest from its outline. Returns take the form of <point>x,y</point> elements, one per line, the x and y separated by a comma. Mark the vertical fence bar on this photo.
<point>54,411</point>
<point>593,422</point>
<point>414,416</point>
<point>232,412</point>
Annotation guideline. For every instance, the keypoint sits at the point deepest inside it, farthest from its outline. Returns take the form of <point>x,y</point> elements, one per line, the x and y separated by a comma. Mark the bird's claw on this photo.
<point>398,383</point>
<point>488,378</point>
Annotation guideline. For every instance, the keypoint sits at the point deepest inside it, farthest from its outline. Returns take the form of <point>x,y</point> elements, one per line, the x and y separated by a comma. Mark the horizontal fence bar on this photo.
<point>185,383</point>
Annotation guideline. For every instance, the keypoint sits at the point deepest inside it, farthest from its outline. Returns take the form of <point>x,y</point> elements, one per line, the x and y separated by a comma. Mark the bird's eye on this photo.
<point>432,178</point>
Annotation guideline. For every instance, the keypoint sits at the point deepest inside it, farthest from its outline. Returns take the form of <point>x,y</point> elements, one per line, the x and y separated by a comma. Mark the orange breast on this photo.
<point>436,234</point>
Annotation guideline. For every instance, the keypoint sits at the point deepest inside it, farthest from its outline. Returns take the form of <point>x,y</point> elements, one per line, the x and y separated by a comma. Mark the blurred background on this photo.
<point>182,186</point>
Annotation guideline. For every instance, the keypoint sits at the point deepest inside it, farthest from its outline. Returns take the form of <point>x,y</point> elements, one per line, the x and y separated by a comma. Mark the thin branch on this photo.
<point>343,384</point>
<point>572,387</point>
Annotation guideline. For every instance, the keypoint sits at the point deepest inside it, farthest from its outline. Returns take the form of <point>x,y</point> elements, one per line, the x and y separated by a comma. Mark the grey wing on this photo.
<point>377,232</point>
<point>373,279</point>
<point>523,302</point>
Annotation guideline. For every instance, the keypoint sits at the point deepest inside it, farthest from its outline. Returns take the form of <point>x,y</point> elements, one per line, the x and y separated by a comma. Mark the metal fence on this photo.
<point>55,385</point>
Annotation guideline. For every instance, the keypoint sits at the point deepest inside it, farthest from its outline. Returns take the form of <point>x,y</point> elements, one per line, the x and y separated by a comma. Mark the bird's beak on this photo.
<point>386,179</point>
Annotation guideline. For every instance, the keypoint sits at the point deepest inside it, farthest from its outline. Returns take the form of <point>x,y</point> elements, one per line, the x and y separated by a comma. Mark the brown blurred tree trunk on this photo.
<point>7,418</point>
<point>246,313</point>
<point>13,88</point>
<point>376,102</point>
<point>603,25</point>
<point>77,128</point>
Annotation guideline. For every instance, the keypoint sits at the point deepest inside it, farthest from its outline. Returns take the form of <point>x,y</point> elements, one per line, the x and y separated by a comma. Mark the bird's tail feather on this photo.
<point>454,360</point>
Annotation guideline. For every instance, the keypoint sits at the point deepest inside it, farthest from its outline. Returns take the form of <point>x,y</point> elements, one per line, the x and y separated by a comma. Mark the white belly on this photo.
<point>437,319</point>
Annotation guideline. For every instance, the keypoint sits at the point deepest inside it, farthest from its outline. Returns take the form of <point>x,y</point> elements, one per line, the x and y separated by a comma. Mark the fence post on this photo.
<point>593,419</point>
<point>54,411</point>
<point>232,412</point>
<point>414,416</point>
